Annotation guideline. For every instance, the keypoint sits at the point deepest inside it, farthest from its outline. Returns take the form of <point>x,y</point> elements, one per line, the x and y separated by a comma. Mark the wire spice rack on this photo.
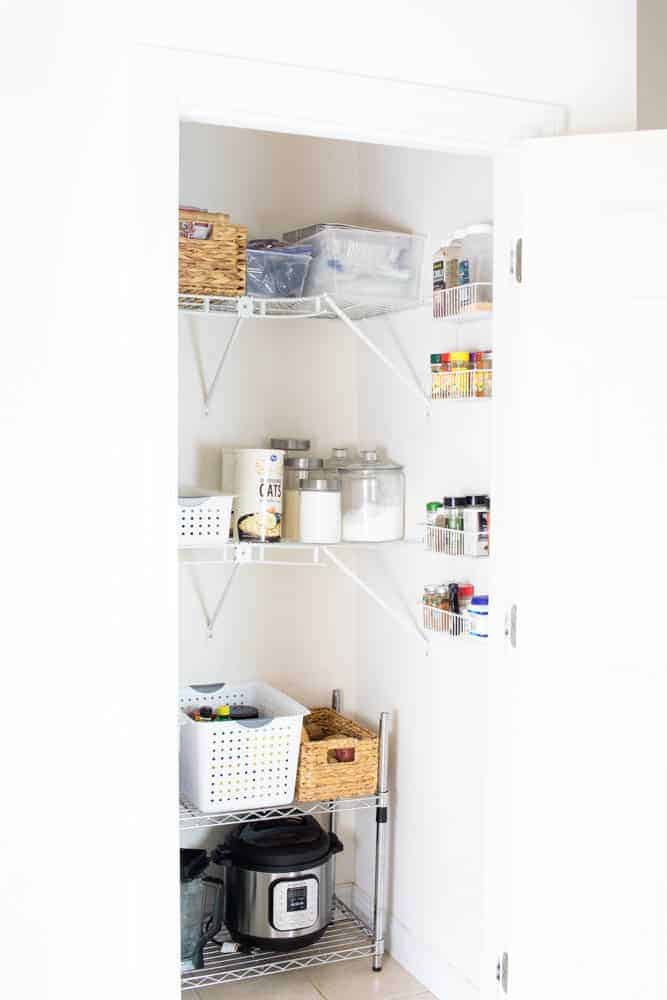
<point>453,542</point>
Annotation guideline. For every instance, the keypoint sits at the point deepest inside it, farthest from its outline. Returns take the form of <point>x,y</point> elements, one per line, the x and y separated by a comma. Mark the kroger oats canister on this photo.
<point>257,477</point>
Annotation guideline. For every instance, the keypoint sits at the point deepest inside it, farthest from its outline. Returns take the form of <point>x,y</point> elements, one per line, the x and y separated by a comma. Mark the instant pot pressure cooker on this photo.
<point>279,882</point>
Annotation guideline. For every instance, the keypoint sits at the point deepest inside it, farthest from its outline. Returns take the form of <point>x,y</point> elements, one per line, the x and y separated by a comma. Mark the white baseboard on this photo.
<point>442,979</point>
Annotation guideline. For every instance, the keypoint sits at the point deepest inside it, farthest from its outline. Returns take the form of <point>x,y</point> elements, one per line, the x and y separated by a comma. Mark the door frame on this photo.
<point>168,86</point>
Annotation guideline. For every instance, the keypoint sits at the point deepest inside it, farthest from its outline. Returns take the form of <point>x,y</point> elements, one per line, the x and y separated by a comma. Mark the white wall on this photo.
<point>437,701</point>
<point>580,53</point>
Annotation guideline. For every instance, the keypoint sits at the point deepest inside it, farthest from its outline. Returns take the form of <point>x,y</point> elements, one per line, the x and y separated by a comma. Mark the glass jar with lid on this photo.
<point>319,511</point>
<point>373,500</point>
<point>339,459</point>
<point>296,470</point>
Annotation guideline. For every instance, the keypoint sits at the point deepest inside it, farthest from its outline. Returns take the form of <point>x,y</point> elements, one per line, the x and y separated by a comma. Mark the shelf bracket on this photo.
<point>211,619</point>
<point>403,620</point>
<point>412,383</point>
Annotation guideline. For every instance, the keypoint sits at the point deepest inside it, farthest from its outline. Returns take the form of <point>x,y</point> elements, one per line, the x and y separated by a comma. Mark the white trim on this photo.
<point>228,90</point>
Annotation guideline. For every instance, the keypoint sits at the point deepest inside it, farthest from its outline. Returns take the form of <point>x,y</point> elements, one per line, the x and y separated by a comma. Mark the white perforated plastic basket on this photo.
<point>203,521</point>
<point>240,765</point>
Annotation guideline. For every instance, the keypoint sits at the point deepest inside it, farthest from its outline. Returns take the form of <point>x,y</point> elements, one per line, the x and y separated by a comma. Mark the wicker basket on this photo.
<point>216,266</point>
<point>320,774</point>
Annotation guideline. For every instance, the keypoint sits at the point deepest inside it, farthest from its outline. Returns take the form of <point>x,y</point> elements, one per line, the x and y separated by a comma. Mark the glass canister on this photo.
<point>339,459</point>
<point>296,470</point>
<point>373,500</point>
<point>319,511</point>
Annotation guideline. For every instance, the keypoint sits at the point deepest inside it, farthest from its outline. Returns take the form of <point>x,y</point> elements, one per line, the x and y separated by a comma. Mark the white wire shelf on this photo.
<point>310,307</point>
<point>451,542</point>
<point>192,819</point>
<point>464,303</point>
<point>445,624</point>
<point>347,937</point>
<point>470,383</point>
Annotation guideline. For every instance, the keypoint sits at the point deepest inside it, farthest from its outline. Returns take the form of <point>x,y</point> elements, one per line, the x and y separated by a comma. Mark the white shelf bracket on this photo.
<point>412,384</point>
<point>210,620</point>
<point>403,620</point>
<point>208,391</point>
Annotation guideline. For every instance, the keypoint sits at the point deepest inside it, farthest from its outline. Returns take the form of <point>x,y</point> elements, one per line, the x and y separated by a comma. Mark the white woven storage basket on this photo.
<point>203,521</point>
<point>240,765</point>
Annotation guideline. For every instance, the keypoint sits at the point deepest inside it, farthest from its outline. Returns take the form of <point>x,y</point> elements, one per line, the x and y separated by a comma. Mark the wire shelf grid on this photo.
<point>192,819</point>
<point>312,307</point>
<point>347,937</point>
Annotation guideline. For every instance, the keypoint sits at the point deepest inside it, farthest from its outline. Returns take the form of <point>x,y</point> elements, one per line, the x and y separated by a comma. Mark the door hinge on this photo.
<point>502,971</point>
<point>510,625</point>
<point>516,260</point>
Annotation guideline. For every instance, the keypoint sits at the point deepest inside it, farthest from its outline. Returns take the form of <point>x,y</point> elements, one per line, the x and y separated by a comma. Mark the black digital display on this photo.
<point>297,898</point>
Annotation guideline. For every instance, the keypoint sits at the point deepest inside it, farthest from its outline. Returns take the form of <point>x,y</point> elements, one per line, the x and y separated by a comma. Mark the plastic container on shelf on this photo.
<point>319,511</point>
<point>203,518</point>
<point>239,764</point>
<point>478,616</point>
<point>373,500</point>
<point>477,248</point>
<point>351,263</point>
<point>297,468</point>
<point>276,272</point>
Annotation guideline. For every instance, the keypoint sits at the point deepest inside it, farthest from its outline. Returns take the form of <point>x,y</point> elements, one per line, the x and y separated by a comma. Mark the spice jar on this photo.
<point>461,377</point>
<point>319,511</point>
<point>429,601</point>
<point>453,511</point>
<point>443,605</point>
<point>482,376</point>
<point>436,385</point>
<point>432,510</point>
<point>296,469</point>
<point>445,375</point>
<point>466,591</point>
<point>476,525</point>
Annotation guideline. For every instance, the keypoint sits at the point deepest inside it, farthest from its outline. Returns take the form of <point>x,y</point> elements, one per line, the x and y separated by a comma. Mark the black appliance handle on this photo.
<point>335,844</point>
<point>215,922</point>
<point>221,855</point>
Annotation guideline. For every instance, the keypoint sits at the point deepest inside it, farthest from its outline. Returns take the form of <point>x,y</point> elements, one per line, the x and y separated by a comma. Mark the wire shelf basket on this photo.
<point>452,542</point>
<point>464,302</point>
<point>469,383</point>
<point>447,624</point>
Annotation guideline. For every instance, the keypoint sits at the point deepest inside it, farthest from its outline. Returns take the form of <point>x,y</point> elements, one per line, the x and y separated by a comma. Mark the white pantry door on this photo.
<point>588,807</point>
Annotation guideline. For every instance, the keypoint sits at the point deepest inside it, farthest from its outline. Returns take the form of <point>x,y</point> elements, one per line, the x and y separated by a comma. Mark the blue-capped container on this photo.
<point>478,616</point>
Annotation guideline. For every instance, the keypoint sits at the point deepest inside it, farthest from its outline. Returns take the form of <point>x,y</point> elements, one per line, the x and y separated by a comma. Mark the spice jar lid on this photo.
<point>435,359</point>
<point>457,356</point>
<point>320,485</point>
<point>290,444</point>
<point>477,500</point>
<point>481,600</point>
<point>303,462</point>
<point>433,505</point>
<point>466,590</point>
<point>453,502</point>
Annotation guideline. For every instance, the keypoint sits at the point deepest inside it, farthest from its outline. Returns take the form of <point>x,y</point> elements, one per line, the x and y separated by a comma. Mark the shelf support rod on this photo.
<point>402,620</point>
<point>380,879</point>
<point>415,388</point>
<point>208,393</point>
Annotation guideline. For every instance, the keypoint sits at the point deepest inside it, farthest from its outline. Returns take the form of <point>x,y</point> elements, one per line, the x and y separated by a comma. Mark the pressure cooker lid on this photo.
<point>280,843</point>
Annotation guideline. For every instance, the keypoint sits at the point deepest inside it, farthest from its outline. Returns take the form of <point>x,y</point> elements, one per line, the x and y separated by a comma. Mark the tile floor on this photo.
<point>343,981</point>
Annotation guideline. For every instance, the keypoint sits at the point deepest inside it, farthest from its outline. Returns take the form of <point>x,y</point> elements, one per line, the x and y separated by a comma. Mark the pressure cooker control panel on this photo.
<point>295,903</point>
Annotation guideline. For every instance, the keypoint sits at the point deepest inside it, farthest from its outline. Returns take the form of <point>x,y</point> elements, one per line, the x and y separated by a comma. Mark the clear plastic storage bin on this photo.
<point>240,764</point>
<point>362,264</point>
<point>278,273</point>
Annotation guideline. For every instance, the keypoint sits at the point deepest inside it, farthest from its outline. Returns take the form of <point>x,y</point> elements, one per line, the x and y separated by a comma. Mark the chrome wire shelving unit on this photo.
<point>349,935</point>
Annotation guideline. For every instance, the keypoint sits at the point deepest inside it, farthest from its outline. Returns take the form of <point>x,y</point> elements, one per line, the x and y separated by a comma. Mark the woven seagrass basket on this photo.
<point>217,265</point>
<point>320,774</point>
